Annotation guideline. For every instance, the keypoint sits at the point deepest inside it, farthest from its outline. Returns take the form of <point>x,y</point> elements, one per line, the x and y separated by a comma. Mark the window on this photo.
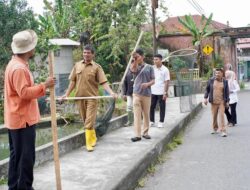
<point>57,53</point>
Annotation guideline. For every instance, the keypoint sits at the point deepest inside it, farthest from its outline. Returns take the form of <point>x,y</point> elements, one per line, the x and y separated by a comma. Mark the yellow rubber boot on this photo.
<point>88,137</point>
<point>93,139</point>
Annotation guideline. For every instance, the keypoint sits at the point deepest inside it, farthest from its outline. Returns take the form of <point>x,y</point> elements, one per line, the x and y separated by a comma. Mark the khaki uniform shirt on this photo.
<point>87,77</point>
<point>218,92</point>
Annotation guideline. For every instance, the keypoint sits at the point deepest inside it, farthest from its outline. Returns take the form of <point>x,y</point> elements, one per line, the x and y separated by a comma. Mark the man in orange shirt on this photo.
<point>21,113</point>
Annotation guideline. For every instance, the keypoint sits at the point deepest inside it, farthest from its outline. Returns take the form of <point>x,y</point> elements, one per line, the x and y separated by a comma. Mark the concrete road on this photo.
<point>116,163</point>
<point>209,162</point>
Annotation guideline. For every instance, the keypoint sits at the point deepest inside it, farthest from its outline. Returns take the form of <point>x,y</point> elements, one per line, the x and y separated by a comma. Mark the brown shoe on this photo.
<point>146,137</point>
<point>134,139</point>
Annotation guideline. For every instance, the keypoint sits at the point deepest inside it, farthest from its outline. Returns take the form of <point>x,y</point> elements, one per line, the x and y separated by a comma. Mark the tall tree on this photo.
<point>14,16</point>
<point>56,21</point>
<point>199,33</point>
<point>112,26</point>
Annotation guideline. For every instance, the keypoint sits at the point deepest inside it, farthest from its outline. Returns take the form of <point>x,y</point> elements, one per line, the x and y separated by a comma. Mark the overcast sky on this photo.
<point>236,12</point>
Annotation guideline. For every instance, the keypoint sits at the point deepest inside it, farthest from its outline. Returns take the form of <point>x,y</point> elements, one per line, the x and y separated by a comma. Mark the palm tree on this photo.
<point>198,33</point>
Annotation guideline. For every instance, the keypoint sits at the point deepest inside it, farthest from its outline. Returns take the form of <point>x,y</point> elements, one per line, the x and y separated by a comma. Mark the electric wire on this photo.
<point>201,11</point>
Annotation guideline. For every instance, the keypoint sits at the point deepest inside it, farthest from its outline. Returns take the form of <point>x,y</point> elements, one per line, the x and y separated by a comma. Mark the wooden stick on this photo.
<point>54,123</point>
<point>85,98</point>
<point>130,60</point>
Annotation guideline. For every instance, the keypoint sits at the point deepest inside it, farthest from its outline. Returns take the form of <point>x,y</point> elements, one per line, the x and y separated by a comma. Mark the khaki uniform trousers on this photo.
<point>88,111</point>
<point>141,106</point>
<point>218,110</point>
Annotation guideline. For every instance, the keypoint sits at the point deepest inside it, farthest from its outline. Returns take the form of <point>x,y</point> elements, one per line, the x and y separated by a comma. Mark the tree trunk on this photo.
<point>200,62</point>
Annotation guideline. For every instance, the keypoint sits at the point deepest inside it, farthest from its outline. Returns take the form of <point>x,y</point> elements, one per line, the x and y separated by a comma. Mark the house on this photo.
<point>174,36</point>
<point>243,51</point>
<point>63,63</point>
<point>177,36</point>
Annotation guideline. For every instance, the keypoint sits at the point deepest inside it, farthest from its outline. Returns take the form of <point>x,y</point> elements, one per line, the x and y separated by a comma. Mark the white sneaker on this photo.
<point>152,124</point>
<point>223,134</point>
<point>214,132</point>
<point>160,125</point>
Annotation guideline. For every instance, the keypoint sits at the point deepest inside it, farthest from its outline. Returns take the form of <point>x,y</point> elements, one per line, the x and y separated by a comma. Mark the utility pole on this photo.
<point>154,5</point>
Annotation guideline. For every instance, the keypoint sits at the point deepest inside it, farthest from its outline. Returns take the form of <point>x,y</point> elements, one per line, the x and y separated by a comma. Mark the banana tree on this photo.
<point>199,33</point>
<point>57,19</point>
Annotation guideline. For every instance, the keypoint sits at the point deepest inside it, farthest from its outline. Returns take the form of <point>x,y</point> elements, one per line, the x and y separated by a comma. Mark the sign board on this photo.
<point>163,52</point>
<point>208,49</point>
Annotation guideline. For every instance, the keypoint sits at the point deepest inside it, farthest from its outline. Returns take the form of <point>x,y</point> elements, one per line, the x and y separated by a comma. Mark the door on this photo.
<point>248,70</point>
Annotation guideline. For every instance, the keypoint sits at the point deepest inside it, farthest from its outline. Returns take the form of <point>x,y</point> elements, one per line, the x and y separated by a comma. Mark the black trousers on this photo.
<point>231,117</point>
<point>22,158</point>
<point>162,104</point>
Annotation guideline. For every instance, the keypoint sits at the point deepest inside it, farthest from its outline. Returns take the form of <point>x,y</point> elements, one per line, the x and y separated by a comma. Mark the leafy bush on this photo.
<point>178,64</point>
<point>242,85</point>
<point>43,105</point>
<point>1,111</point>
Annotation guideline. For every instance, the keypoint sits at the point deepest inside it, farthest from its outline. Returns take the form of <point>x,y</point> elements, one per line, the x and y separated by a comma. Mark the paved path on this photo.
<point>209,162</point>
<point>115,160</point>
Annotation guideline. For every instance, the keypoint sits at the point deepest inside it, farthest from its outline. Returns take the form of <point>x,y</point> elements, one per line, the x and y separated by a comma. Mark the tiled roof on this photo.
<point>173,25</point>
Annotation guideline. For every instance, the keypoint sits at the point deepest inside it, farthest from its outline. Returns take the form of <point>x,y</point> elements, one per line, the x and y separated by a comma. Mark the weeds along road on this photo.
<point>205,161</point>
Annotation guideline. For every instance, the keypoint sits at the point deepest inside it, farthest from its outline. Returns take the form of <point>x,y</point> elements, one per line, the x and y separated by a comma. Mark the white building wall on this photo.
<point>63,60</point>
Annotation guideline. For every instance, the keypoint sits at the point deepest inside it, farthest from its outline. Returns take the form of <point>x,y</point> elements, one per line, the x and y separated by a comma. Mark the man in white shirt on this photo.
<point>159,90</point>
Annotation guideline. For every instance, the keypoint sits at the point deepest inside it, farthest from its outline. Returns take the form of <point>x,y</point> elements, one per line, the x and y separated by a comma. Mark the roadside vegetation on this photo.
<point>112,27</point>
<point>162,158</point>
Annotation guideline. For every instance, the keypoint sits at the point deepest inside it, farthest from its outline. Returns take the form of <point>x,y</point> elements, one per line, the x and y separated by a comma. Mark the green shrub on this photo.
<point>242,85</point>
<point>3,181</point>
<point>1,111</point>
<point>70,117</point>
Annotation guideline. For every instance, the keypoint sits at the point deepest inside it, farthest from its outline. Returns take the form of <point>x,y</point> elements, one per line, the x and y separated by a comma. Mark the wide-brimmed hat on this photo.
<point>24,41</point>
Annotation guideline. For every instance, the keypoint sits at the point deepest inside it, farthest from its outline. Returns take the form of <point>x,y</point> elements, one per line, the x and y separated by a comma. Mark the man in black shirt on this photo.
<point>127,91</point>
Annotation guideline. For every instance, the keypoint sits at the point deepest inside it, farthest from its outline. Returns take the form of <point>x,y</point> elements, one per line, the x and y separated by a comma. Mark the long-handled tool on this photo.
<point>54,124</point>
<point>129,63</point>
<point>85,98</point>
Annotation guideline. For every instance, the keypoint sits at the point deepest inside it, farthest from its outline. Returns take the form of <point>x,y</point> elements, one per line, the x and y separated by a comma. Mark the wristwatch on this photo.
<point>165,93</point>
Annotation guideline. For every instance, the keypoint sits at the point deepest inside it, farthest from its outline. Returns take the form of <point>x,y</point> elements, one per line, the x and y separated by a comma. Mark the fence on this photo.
<point>185,75</point>
<point>193,72</point>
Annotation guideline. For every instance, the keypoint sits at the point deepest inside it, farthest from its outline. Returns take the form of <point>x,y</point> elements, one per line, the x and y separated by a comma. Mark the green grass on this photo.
<point>162,158</point>
<point>151,169</point>
<point>175,142</point>
<point>178,140</point>
<point>141,182</point>
<point>3,181</point>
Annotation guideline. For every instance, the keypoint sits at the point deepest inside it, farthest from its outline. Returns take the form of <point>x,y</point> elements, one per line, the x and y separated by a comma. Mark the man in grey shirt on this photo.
<point>144,79</point>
